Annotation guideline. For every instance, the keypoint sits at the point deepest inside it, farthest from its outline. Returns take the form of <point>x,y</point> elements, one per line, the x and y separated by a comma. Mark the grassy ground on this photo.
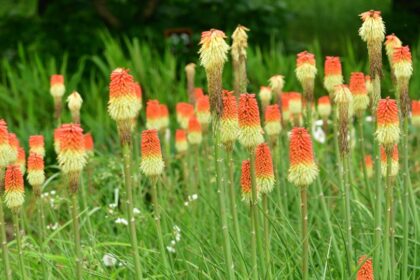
<point>197,248</point>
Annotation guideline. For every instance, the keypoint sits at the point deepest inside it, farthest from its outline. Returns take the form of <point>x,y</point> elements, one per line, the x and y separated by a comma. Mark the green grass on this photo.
<point>27,107</point>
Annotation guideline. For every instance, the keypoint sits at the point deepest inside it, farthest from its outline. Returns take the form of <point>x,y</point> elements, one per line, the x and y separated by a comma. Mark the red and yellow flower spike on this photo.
<point>14,148</point>
<point>153,115</point>
<point>324,107</point>
<point>285,108</point>
<point>333,75</point>
<point>246,185</point>
<point>295,103</point>
<point>123,104</point>
<point>272,124</point>
<point>89,145</point>
<point>57,87</point>
<point>202,109</point>
<point>184,111</point>
<point>305,66</point>
<point>369,166</point>
<point>229,125</point>
<point>358,89</point>
<point>151,155</point>
<point>72,154</point>
<point>391,43</point>
<point>4,145</point>
<point>181,143</point>
<point>265,96</point>
<point>21,159</point>
<point>388,128</point>
<point>365,271</point>
<point>373,27</point>
<point>264,172</point>
<point>250,131</point>
<point>415,113</point>
<point>57,132</point>
<point>164,116</point>
<point>303,169</point>
<point>139,95</point>
<point>36,145</point>
<point>402,63</point>
<point>36,175</point>
<point>195,135</point>
<point>395,167</point>
<point>14,195</point>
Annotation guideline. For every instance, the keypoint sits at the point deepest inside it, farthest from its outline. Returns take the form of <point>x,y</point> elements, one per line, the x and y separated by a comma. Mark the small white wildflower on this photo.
<point>170,249</point>
<point>112,205</point>
<point>319,122</point>
<point>319,135</point>
<point>173,242</point>
<point>121,221</point>
<point>369,118</point>
<point>176,228</point>
<point>186,203</point>
<point>194,197</point>
<point>109,260</point>
<point>52,192</point>
<point>136,211</point>
<point>52,226</point>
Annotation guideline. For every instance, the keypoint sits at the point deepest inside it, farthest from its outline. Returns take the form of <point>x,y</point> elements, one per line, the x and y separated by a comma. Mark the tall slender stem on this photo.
<point>347,199</point>
<point>42,235</point>
<point>156,212</point>
<point>405,202</point>
<point>221,191</point>
<point>305,234</point>
<point>378,209</point>
<point>129,204</point>
<point>387,239</point>
<point>233,206</point>
<point>253,214</point>
<point>15,216</point>
<point>76,235</point>
<point>266,235</point>
<point>363,155</point>
<point>3,240</point>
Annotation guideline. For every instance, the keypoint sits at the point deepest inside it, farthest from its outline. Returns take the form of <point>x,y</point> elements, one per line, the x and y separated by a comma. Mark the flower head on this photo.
<point>285,97</point>
<point>21,160</point>
<point>366,270</point>
<point>415,113</point>
<point>239,42</point>
<point>151,155</point>
<point>369,166</point>
<point>57,87</point>
<point>373,27</point>
<point>153,115</point>
<point>164,116</point>
<point>305,66</point>
<point>229,120</point>
<point>388,129</point>
<point>213,51</point>
<point>4,145</point>
<point>250,132</point>
<point>332,74</point>
<point>198,92</point>
<point>402,64</point>
<point>36,176</point>
<point>181,143</point>
<point>265,95</point>
<point>295,103</point>
<point>394,162</point>
<point>272,124</point>
<point>203,111</point>
<point>139,95</point>
<point>194,131</point>
<point>14,147</point>
<point>14,195</point>
<point>303,169</point>
<point>264,172</point>
<point>246,184</point>
<point>184,111</point>
<point>74,102</point>
<point>123,100</point>
<point>358,89</point>
<point>324,107</point>
<point>277,83</point>
<point>391,42</point>
<point>36,145</point>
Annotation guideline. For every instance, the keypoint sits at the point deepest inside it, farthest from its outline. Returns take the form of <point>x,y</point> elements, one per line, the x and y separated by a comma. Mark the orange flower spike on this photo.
<point>14,195</point>
<point>295,103</point>
<point>4,145</point>
<point>123,101</point>
<point>332,74</point>
<point>21,160</point>
<point>184,111</point>
<point>391,42</point>
<point>151,155</point>
<point>153,115</point>
<point>57,132</point>
<point>415,113</point>
<point>139,95</point>
<point>369,166</point>
<point>324,107</point>
<point>358,89</point>
<point>264,172</point>
<point>402,63</point>
<point>198,92</point>
<point>246,184</point>
<point>388,129</point>
<point>194,131</point>
<point>394,162</point>
<point>229,126</point>
<point>203,111</point>
<point>14,148</point>
<point>285,97</point>
<point>272,124</point>
<point>57,87</point>
<point>36,175</point>
<point>164,116</point>
<point>303,169</point>
<point>250,132</point>
<point>365,271</point>
<point>305,66</point>
<point>373,27</point>
<point>181,143</point>
<point>89,145</point>
<point>36,145</point>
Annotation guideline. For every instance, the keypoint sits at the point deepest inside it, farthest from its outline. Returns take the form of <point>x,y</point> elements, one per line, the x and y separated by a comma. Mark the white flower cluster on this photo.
<point>191,198</point>
<point>177,238</point>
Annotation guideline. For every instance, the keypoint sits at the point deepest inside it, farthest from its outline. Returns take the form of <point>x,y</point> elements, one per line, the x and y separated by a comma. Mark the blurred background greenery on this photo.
<point>86,39</point>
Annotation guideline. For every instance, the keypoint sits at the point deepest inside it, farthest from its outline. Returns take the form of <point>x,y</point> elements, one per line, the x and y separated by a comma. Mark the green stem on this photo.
<point>405,202</point>
<point>266,235</point>
<point>85,206</point>
<point>15,216</point>
<point>335,136</point>
<point>129,204</point>
<point>76,235</point>
<point>347,207</point>
<point>3,240</point>
<point>387,238</point>
<point>363,155</point>
<point>253,214</point>
<point>42,235</point>
<point>305,233</point>
<point>378,210</point>
<point>221,191</point>
<point>156,211</point>
<point>233,208</point>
